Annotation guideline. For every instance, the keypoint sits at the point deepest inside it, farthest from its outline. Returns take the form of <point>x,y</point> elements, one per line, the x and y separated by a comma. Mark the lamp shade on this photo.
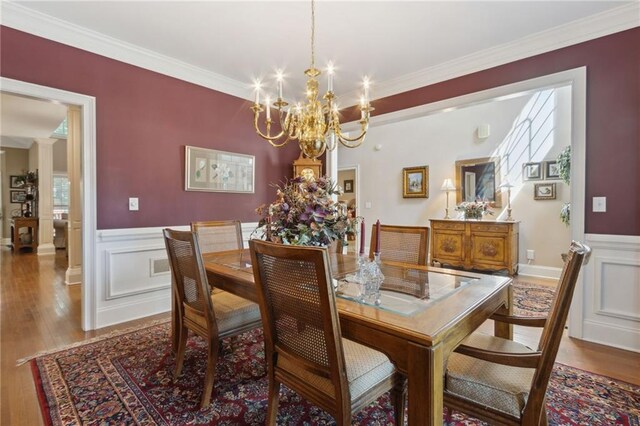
<point>448,185</point>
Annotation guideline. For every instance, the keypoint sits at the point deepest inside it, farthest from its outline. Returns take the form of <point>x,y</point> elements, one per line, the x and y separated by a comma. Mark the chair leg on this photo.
<point>212,361</point>
<point>183,333</point>
<point>272,400</point>
<point>398,398</point>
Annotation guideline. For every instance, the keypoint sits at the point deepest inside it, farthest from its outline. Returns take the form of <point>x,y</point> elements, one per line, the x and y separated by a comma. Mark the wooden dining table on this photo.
<point>425,312</point>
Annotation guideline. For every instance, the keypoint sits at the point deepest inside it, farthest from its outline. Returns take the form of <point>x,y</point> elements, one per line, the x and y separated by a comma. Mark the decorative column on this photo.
<point>74,171</point>
<point>45,196</point>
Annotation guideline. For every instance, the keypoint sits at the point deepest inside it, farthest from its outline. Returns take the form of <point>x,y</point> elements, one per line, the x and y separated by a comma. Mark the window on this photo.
<point>60,195</point>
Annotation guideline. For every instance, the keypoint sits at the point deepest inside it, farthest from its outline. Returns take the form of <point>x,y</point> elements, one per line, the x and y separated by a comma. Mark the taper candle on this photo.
<point>362,237</point>
<point>377,237</point>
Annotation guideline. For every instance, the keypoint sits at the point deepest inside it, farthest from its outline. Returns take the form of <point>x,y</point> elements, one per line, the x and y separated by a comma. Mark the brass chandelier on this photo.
<point>316,125</point>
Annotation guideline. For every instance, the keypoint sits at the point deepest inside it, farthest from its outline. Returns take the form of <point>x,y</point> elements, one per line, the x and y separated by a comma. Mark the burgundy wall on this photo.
<point>613,117</point>
<point>144,120</point>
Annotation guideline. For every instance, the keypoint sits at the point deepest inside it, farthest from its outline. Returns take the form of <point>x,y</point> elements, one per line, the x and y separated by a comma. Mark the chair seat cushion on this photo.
<point>501,387</point>
<point>365,367</point>
<point>231,311</point>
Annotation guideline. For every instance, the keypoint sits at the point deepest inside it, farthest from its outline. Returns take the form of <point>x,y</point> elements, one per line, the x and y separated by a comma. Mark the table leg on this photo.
<point>502,329</point>
<point>426,384</point>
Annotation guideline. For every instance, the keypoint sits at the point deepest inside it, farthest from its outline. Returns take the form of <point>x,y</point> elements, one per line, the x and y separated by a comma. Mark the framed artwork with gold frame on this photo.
<point>415,182</point>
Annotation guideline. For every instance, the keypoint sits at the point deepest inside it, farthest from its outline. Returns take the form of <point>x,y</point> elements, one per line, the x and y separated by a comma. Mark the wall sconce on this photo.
<point>447,186</point>
<point>483,131</point>
<point>508,185</point>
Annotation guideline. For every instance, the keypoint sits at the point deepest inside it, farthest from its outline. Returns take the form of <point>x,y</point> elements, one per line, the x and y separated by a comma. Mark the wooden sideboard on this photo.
<point>475,244</point>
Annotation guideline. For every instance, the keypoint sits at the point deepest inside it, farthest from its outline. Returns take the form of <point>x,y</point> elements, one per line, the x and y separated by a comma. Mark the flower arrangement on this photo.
<point>474,209</point>
<point>305,214</point>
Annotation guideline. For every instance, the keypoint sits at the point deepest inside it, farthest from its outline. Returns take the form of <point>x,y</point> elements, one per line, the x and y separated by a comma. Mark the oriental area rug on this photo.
<point>126,378</point>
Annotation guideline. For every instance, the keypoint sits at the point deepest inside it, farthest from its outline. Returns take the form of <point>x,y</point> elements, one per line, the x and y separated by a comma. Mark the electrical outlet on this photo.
<point>133,204</point>
<point>531,254</point>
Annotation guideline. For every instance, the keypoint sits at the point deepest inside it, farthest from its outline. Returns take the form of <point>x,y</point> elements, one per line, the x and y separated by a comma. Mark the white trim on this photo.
<point>539,271</point>
<point>110,292</point>
<point>588,28</point>
<point>132,310</point>
<point>28,20</point>
<point>88,108</point>
<point>585,29</point>
<point>73,276</point>
<point>46,249</point>
<point>615,242</point>
<point>598,287</point>
<point>617,336</point>
<point>5,241</point>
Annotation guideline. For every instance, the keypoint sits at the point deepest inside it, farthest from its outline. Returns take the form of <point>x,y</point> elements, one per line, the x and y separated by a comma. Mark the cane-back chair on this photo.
<point>303,344</point>
<point>218,235</point>
<point>406,244</point>
<point>211,316</point>
<point>504,382</point>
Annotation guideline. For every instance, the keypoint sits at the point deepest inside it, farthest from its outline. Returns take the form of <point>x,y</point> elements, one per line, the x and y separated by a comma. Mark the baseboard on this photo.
<point>129,311</point>
<point>612,335</point>
<point>73,276</point>
<point>539,271</point>
<point>5,241</point>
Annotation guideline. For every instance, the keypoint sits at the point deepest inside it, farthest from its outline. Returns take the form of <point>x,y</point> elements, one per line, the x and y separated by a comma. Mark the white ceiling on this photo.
<point>245,40</point>
<point>23,119</point>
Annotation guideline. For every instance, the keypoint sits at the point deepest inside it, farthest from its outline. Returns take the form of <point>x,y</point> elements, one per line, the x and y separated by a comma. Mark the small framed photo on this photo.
<point>18,196</point>
<point>348,185</point>
<point>551,170</point>
<point>544,191</point>
<point>415,182</point>
<point>532,171</point>
<point>15,182</point>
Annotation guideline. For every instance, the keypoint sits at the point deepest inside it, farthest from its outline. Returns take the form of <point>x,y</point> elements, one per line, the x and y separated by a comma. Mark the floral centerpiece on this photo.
<point>305,214</point>
<point>474,209</point>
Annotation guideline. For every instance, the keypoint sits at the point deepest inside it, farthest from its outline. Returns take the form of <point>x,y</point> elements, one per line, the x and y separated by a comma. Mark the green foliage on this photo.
<point>564,165</point>
<point>565,214</point>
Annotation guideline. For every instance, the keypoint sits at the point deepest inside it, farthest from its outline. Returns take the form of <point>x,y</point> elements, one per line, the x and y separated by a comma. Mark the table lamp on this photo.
<point>508,185</point>
<point>447,186</point>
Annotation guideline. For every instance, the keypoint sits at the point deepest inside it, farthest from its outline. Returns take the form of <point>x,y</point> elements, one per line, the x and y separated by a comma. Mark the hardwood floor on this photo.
<point>39,312</point>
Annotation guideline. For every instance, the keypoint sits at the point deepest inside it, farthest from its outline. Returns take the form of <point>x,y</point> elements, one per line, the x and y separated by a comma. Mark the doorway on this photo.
<point>84,163</point>
<point>349,181</point>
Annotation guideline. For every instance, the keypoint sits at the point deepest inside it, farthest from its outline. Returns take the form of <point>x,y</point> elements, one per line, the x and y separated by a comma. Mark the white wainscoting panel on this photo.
<point>612,291</point>
<point>133,280</point>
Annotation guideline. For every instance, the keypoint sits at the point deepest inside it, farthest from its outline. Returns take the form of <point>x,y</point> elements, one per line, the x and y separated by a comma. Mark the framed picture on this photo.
<point>415,182</point>
<point>532,171</point>
<point>14,182</point>
<point>551,170</point>
<point>348,185</point>
<point>218,171</point>
<point>18,196</point>
<point>544,191</point>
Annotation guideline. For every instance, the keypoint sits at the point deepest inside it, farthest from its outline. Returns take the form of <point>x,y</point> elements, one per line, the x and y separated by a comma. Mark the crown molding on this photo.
<point>585,29</point>
<point>28,20</point>
<point>594,26</point>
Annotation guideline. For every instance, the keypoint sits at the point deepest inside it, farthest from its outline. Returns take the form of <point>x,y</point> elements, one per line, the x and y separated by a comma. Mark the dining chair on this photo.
<point>406,244</point>
<point>303,343</point>
<point>218,235</point>
<point>504,382</point>
<point>212,316</point>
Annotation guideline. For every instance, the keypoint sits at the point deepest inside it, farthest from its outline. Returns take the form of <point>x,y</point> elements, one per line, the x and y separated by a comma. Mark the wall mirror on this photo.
<point>478,178</point>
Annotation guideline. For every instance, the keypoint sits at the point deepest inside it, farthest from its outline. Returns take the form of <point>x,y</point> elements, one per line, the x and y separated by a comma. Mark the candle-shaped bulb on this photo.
<point>280,78</point>
<point>257,86</point>
<point>330,76</point>
<point>366,83</point>
<point>267,105</point>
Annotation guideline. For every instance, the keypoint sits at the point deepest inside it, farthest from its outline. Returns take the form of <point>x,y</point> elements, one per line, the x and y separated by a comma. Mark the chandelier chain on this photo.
<point>313,33</point>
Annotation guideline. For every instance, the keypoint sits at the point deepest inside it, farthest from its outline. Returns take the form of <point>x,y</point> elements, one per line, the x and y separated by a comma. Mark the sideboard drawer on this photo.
<point>454,226</point>
<point>489,227</point>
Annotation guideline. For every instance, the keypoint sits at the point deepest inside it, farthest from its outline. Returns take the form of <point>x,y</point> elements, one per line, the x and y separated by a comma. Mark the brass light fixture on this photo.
<point>316,125</point>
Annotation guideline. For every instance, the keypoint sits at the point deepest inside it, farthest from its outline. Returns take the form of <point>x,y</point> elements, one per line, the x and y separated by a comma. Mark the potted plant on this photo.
<point>564,169</point>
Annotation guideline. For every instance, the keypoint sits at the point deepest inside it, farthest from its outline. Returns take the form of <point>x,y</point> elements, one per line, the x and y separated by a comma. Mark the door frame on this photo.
<point>87,105</point>
<point>577,79</point>
<point>356,188</point>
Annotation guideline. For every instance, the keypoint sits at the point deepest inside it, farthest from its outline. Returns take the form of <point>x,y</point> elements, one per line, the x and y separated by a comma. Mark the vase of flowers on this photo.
<point>474,209</point>
<point>304,213</point>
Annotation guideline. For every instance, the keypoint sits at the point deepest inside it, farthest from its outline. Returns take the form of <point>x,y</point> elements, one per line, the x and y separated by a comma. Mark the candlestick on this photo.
<point>362,238</point>
<point>377,251</point>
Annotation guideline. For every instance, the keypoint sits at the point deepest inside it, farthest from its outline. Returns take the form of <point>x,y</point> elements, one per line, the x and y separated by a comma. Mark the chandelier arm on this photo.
<point>346,143</point>
<point>346,140</point>
<point>269,138</point>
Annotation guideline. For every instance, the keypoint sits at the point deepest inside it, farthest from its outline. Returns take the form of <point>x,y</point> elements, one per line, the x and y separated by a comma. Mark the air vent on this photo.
<point>159,267</point>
